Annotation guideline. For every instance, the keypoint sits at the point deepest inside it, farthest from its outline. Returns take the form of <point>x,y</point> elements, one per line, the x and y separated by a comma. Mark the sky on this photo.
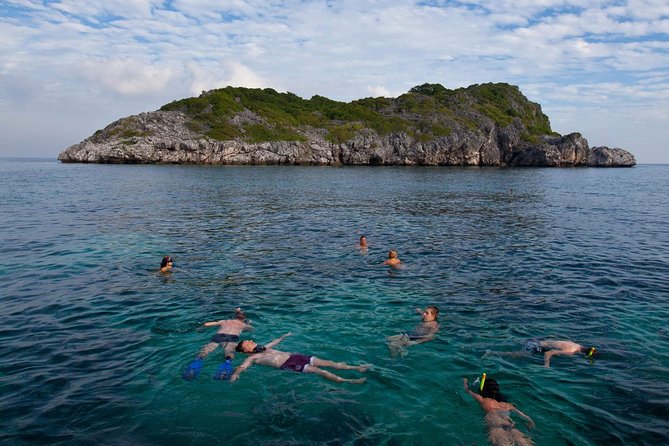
<point>71,67</point>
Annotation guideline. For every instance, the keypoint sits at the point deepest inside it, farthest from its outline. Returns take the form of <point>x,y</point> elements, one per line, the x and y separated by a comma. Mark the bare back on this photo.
<point>232,326</point>
<point>563,346</point>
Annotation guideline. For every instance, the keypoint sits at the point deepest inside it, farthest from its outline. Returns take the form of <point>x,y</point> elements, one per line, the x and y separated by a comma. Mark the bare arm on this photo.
<point>248,362</point>
<point>277,340</point>
<point>550,353</point>
<point>212,323</point>
<point>530,423</point>
<point>478,398</point>
<point>423,339</point>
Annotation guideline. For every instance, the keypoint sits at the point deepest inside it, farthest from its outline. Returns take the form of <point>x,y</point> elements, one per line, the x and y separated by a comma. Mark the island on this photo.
<point>481,125</point>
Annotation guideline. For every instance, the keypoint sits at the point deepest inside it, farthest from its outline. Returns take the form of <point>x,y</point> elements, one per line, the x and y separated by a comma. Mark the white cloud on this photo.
<point>377,91</point>
<point>134,55</point>
<point>125,76</point>
<point>227,73</point>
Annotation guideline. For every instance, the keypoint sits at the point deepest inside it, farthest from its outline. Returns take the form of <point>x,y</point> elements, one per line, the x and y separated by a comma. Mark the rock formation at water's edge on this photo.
<point>481,125</point>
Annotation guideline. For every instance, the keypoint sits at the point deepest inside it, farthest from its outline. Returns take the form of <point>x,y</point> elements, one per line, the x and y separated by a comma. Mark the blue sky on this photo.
<point>70,67</point>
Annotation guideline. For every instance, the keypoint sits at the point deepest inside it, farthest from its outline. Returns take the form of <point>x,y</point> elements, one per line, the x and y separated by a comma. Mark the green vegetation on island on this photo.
<point>426,112</point>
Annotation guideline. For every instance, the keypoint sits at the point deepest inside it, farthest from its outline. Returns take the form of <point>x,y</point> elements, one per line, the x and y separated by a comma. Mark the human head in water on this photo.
<point>249,346</point>
<point>432,312</point>
<point>590,352</point>
<point>166,263</point>
<point>490,389</point>
<point>363,241</point>
<point>239,314</point>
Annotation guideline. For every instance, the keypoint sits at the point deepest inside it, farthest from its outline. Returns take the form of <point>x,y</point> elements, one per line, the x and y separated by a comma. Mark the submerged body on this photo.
<point>423,332</point>
<point>502,430</point>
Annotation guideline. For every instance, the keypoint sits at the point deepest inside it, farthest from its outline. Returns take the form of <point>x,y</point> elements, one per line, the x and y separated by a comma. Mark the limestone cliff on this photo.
<point>481,125</point>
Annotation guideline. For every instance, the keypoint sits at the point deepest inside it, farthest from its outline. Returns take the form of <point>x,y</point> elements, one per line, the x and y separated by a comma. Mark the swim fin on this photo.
<point>224,371</point>
<point>193,369</point>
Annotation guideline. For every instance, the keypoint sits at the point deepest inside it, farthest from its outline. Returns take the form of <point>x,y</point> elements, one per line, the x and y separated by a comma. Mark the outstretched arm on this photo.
<point>475,396</point>
<point>277,340</point>
<point>212,323</point>
<point>421,340</point>
<point>248,362</point>
<point>530,423</point>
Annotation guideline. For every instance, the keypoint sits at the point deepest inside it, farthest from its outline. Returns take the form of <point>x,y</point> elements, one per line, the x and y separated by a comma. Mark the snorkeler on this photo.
<point>425,331</point>
<point>501,428</point>
<point>266,355</point>
<point>227,337</point>
<point>550,348</point>
<point>166,264</point>
<point>392,259</point>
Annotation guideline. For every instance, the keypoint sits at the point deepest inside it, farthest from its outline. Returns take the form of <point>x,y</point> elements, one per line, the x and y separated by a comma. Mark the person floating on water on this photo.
<point>227,337</point>
<point>501,428</point>
<point>425,331</point>
<point>551,347</point>
<point>392,259</point>
<point>267,355</point>
<point>166,264</point>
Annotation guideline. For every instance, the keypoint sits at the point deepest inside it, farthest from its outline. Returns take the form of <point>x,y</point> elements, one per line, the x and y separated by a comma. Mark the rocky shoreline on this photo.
<point>168,137</point>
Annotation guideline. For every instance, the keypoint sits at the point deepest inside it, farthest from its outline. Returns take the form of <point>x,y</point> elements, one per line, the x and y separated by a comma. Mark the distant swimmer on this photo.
<point>423,332</point>
<point>166,264</point>
<point>227,337</point>
<point>550,348</point>
<point>501,428</point>
<point>268,356</point>
<point>392,259</point>
<point>362,244</point>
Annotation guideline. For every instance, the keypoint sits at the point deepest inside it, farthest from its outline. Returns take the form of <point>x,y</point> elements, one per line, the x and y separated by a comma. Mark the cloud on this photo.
<point>125,76</point>
<point>133,55</point>
<point>227,73</point>
<point>378,91</point>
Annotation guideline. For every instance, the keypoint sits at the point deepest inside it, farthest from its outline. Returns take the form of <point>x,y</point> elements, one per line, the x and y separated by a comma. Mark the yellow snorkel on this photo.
<point>591,351</point>
<point>482,382</point>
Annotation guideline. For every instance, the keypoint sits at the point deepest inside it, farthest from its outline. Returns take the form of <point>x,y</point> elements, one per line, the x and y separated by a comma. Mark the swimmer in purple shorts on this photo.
<point>266,355</point>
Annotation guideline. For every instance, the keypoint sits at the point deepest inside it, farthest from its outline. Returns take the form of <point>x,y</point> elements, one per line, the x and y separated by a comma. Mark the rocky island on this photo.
<point>481,125</point>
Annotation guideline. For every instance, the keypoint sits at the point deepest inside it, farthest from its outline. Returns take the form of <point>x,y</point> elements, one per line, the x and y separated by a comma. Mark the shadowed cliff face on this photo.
<point>489,125</point>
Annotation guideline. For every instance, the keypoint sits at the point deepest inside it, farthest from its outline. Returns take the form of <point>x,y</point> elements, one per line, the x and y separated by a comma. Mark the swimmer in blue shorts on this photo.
<point>550,348</point>
<point>423,332</point>
<point>227,338</point>
<point>267,355</point>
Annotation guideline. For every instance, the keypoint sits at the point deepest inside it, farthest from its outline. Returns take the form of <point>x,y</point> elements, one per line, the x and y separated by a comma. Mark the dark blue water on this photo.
<point>94,339</point>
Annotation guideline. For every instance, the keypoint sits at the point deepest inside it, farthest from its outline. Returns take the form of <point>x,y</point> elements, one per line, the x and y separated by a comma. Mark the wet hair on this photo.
<point>239,314</point>
<point>491,390</point>
<point>392,253</point>
<point>239,347</point>
<point>434,310</point>
<point>587,352</point>
<point>165,261</point>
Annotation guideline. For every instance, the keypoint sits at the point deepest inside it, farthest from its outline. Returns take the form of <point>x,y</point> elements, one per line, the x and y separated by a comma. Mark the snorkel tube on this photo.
<point>482,382</point>
<point>591,352</point>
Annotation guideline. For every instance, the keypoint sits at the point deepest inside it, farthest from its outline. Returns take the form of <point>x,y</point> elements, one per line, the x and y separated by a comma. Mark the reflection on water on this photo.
<point>95,340</point>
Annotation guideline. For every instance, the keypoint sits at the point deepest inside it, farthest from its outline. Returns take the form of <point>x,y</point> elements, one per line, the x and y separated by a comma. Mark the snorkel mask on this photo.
<point>259,349</point>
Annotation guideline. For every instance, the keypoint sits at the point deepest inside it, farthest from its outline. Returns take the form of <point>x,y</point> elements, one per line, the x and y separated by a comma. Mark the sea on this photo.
<point>95,340</point>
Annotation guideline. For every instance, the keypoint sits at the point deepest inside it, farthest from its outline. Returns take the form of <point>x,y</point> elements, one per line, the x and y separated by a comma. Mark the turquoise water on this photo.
<point>94,339</point>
